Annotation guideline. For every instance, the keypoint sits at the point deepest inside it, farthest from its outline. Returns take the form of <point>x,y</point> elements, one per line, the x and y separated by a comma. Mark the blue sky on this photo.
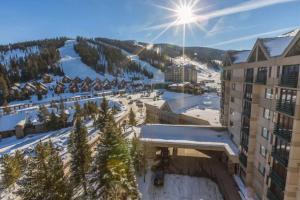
<point>226,24</point>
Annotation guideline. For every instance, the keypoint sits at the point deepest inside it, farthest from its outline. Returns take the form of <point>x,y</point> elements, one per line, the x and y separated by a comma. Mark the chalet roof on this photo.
<point>272,46</point>
<point>239,56</point>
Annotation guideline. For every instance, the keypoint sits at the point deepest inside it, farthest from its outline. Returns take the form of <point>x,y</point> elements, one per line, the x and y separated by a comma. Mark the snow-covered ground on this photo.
<point>178,187</point>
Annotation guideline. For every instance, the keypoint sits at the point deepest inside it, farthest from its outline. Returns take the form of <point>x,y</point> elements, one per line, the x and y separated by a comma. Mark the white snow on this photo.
<point>178,187</point>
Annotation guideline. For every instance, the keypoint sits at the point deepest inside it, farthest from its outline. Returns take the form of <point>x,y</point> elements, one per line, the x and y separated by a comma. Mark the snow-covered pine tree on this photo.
<point>12,168</point>
<point>80,155</point>
<point>132,120</point>
<point>113,174</point>
<point>44,177</point>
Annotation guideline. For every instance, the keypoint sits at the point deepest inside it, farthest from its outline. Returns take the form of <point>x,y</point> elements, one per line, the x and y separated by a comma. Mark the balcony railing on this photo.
<point>277,179</point>
<point>286,107</point>
<point>272,196</point>
<point>283,159</point>
<point>282,132</point>
<point>249,79</point>
<point>243,159</point>
<point>290,80</point>
<point>247,112</point>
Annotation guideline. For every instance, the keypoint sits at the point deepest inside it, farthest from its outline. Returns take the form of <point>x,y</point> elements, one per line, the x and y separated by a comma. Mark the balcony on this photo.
<point>277,179</point>
<point>282,132</point>
<point>272,196</point>
<point>283,159</point>
<point>243,159</point>
<point>290,80</point>
<point>249,78</point>
<point>261,78</point>
<point>286,107</point>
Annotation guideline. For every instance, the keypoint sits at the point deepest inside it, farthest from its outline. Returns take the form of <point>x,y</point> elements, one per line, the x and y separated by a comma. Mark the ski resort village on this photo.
<point>168,110</point>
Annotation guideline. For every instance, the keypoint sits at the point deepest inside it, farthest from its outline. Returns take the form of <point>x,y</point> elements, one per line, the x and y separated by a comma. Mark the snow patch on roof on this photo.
<point>240,56</point>
<point>276,46</point>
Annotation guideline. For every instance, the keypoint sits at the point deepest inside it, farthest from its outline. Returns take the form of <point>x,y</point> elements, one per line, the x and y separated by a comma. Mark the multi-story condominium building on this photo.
<point>179,74</point>
<point>260,104</point>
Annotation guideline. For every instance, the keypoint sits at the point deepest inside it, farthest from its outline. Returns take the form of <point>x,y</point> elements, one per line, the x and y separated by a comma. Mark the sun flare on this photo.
<point>185,14</point>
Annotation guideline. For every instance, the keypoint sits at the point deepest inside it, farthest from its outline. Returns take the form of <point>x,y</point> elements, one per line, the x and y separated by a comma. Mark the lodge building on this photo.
<point>260,105</point>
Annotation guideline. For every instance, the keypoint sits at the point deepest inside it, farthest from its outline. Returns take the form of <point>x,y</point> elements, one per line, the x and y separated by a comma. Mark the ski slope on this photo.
<point>158,75</point>
<point>73,66</point>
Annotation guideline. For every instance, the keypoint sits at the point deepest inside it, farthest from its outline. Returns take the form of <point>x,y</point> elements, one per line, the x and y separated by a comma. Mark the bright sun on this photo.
<point>185,14</point>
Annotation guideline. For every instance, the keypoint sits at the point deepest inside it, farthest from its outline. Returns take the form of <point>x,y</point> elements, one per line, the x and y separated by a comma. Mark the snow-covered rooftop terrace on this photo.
<point>189,136</point>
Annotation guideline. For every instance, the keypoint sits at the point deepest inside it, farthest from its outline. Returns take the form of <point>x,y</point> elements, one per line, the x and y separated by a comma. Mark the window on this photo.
<point>270,71</point>
<point>233,86</point>
<point>231,123</point>
<point>267,113</point>
<point>265,133</point>
<point>232,99</point>
<point>261,168</point>
<point>269,93</point>
<point>263,151</point>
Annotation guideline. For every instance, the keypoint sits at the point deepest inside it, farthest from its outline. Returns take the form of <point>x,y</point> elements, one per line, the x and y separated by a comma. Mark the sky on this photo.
<point>222,24</point>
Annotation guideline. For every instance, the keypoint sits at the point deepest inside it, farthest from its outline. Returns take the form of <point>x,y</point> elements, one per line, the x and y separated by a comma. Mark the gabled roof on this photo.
<point>276,46</point>
<point>270,47</point>
<point>239,56</point>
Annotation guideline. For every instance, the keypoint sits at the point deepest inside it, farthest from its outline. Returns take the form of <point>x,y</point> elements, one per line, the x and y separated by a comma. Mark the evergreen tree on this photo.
<point>44,177</point>
<point>80,155</point>
<point>12,165</point>
<point>132,120</point>
<point>104,114</point>
<point>3,90</point>
<point>113,174</point>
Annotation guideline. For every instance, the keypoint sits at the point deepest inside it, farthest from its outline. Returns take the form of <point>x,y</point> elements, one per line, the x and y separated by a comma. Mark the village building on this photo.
<point>47,78</point>
<point>198,110</point>
<point>66,79</point>
<point>179,73</point>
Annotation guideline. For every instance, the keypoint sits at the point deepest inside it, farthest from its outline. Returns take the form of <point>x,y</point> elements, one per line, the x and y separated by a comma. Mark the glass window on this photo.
<point>267,113</point>
<point>265,133</point>
<point>263,151</point>
<point>269,93</point>
<point>261,168</point>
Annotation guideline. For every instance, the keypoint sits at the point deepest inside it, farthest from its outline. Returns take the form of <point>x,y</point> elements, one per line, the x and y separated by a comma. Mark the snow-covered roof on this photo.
<point>240,56</point>
<point>180,105</point>
<point>276,46</point>
<point>189,135</point>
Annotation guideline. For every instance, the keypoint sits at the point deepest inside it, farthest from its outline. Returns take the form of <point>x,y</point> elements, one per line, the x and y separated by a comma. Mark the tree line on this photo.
<point>108,173</point>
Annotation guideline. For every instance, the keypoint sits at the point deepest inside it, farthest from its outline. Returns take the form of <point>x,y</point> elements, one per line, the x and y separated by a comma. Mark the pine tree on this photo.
<point>13,166</point>
<point>132,120</point>
<point>104,114</point>
<point>44,177</point>
<point>113,174</point>
<point>80,155</point>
